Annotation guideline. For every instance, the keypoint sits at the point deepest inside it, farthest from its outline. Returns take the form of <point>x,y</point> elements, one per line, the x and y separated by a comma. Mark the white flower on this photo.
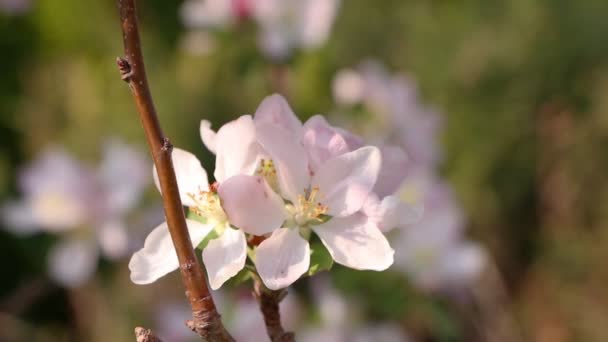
<point>283,24</point>
<point>323,198</point>
<point>62,196</point>
<point>240,194</point>
<point>435,254</point>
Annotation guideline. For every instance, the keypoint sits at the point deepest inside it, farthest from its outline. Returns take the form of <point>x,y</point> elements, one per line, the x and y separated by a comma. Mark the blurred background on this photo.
<point>510,96</point>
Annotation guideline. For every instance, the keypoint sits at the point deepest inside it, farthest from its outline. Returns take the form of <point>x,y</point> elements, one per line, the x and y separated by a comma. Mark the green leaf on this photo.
<point>239,278</point>
<point>320,259</point>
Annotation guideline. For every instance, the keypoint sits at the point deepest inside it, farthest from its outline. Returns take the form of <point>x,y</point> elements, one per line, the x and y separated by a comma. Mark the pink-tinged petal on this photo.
<point>158,256</point>
<point>191,177</point>
<point>346,181</point>
<point>113,239</point>
<point>462,264</point>
<point>289,157</point>
<point>392,212</point>
<point>393,170</point>
<point>208,136</point>
<point>124,176</point>
<point>251,204</point>
<point>322,141</point>
<point>236,149</point>
<point>274,109</point>
<point>316,20</point>
<point>354,141</point>
<point>225,256</point>
<point>282,258</point>
<point>72,262</point>
<point>356,242</point>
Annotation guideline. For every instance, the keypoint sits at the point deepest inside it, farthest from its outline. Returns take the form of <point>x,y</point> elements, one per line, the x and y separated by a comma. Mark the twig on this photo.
<point>145,335</point>
<point>269,305</point>
<point>206,319</point>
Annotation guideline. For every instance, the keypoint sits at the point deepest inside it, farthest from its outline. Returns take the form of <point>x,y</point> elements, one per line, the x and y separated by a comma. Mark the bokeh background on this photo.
<point>522,89</point>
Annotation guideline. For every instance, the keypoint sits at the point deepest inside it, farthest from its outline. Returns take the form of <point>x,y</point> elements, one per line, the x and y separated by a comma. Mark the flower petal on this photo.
<point>393,170</point>
<point>282,258</point>
<point>225,256</point>
<point>124,176</point>
<point>251,204</point>
<point>113,239</point>
<point>158,256</point>
<point>289,158</point>
<point>392,212</point>
<point>72,262</point>
<point>236,149</point>
<point>208,136</point>
<point>356,242</point>
<point>322,141</point>
<point>346,180</point>
<point>191,177</point>
<point>275,109</point>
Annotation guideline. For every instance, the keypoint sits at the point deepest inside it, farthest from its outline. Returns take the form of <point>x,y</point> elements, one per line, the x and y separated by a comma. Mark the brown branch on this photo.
<point>206,319</point>
<point>145,335</point>
<point>269,305</point>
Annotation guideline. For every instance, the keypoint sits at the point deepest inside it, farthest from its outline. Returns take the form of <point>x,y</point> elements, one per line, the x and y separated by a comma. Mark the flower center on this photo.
<point>411,193</point>
<point>208,206</point>
<point>308,210</point>
<point>267,170</point>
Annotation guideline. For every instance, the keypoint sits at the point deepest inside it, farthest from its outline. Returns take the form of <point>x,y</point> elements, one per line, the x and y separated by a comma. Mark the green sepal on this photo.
<point>191,215</point>
<point>241,277</point>
<point>320,259</point>
<point>212,235</point>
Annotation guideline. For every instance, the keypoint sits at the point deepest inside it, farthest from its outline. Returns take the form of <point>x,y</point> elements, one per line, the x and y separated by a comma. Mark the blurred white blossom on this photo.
<point>283,25</point>
<point>434,252</point>
<point>86,207</point>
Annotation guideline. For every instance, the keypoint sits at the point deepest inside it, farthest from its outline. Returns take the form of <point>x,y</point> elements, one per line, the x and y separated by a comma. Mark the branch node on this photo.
<point>145,335</point>
<point>167,146</point>
<point>126,72</point>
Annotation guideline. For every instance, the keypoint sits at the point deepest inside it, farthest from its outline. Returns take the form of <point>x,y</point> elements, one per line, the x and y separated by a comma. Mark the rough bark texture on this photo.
<point>269,305</point>
<point>206,320</point>
<point>145,335</point>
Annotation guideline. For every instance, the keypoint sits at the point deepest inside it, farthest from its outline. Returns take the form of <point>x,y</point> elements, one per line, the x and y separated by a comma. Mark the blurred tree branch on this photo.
<point>206,320</point>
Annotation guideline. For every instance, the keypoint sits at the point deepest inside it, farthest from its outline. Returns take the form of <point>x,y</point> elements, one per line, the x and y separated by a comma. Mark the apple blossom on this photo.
<point>282,181</point>
<point>323,198</point>
<point>397,110</point>
<point>283,24</point>
<point>225,255</point>
<point>62,196</point>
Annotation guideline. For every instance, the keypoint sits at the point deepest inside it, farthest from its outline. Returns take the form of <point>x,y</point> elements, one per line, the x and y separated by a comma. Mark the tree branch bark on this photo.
<point>206,320</point>
<point>269,305</point>
<point>145,335</point>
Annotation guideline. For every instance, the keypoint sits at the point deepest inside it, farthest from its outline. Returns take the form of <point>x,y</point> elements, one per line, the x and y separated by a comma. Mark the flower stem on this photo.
<point>206,320</point>
<point>269,305</point>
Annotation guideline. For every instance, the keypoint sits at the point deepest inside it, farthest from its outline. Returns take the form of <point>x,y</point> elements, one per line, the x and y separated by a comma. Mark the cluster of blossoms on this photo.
<point>86,207</point>
<point>436,254</point>
<point>278,182</point>
<point>283,24</point>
